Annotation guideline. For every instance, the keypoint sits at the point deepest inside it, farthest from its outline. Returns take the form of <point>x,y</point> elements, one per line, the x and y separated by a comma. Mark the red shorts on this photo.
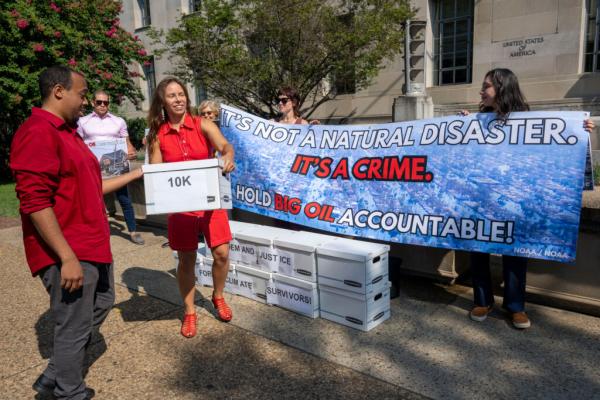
<point>184,228</point>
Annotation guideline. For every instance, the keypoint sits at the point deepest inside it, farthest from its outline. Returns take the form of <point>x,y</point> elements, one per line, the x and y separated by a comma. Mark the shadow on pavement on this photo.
<point>158,284</point>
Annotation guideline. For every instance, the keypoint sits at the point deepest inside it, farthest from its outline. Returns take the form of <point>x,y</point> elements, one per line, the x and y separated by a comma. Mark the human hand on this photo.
<point>589,125</point>
<point>314,122</point>
<point>71,275</point>
<point>464,113</point>
<point>131,153</point>
<point>228,164</point>
<point>138,173</point>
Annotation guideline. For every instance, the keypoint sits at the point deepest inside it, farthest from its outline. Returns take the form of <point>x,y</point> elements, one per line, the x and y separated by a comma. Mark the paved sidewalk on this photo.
<point>428,349</point>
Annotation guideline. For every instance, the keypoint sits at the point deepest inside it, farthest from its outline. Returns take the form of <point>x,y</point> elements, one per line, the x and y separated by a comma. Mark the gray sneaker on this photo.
<point>137,238</point>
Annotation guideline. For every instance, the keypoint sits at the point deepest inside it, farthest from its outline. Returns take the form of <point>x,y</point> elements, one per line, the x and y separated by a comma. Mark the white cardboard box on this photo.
<point>354,310</point>
<point>256,246</point>
<point>294,294</point>
<point>297,255</point>
<point>252,283</point>
<point>354,265</point>
<point>204,277</point>
<point>186,186</point>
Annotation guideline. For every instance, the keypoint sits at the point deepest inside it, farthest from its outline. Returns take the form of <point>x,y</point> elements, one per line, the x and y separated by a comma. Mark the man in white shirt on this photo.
<point>102,125</point>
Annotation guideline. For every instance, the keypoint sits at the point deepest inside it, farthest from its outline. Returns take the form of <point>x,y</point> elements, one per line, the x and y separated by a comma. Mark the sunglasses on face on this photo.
<point>101,102</point>
<point>206,113</point>
<point>283,100</point>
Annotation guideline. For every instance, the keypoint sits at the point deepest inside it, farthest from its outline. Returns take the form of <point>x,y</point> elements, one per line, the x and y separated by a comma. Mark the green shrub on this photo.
<point>136,127</point>
<point>597,174</point>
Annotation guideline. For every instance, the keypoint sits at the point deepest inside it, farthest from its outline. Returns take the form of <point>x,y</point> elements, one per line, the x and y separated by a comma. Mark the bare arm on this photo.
<point>155,154</point>
<point>131,152</point>
<point>71,273</point>
<point>112,184</point>
<point>221,144</point>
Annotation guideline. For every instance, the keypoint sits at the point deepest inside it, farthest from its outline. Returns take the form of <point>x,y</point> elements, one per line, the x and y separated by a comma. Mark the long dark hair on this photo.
<point>293,95</point>
<point>509,97</point>
<point>157,115</point>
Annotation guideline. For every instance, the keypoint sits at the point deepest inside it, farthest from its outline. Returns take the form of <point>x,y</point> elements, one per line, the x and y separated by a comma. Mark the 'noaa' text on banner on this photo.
<point>473,183</point>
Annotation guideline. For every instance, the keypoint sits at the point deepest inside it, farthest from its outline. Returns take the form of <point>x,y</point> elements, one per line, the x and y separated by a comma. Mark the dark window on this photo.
<point>200,93</point>
<point>150,76</point>
<point>591,44</point>
<point>453,41</point>
<point>195,5</point>
<point>144,12</point>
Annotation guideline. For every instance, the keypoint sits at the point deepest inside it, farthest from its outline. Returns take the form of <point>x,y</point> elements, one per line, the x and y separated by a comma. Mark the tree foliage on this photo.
<point>83,34</point>
<point>243,50</point>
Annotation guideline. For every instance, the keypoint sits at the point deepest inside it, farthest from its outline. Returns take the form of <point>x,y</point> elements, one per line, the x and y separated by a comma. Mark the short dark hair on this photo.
<point>293,95</point>
<point>52,76</point>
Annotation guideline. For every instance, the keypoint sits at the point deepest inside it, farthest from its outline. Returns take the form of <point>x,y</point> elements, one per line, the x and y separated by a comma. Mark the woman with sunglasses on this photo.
<point>175,135</point>
<point>501,94</point>
<point>288,102</point>
<point>209,109</point>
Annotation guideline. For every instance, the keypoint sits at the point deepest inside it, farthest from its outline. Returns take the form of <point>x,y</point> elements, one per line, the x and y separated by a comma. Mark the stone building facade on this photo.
<point>552,46</point>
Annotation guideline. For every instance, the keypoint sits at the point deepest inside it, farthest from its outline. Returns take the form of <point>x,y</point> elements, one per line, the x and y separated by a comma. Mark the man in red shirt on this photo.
<point>65,231</point>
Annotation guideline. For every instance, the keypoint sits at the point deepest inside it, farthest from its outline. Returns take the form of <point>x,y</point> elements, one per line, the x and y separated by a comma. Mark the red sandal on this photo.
<point>188,326</point>
<point>223,310</point>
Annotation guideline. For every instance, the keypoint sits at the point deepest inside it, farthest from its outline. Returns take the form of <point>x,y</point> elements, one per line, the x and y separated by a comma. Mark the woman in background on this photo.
<point>209,109</point>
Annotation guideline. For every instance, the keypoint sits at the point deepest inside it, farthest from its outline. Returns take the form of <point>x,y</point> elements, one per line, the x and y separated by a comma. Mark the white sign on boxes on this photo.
<point>186,186</point>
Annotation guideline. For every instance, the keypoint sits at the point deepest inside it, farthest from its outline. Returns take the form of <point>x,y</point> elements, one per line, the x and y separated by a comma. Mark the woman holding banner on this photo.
<point>501,94</point>
<point>175,135</point>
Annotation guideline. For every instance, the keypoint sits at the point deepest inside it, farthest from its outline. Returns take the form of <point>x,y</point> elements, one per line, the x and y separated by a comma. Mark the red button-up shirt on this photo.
<point>189,143</point>
<point>54,168</point>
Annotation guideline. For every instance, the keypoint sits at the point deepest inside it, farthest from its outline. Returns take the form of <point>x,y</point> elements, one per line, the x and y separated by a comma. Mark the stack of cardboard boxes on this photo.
<point>339,279</point>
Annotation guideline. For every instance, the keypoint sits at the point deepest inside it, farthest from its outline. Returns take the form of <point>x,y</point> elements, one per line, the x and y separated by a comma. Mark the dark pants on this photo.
<point>75,316</point>
<point>125,202</point>
<point>514,271</point>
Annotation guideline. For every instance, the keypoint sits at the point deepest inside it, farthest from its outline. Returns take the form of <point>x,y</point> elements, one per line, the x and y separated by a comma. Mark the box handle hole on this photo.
<point>352,283</point>
<point>377,297</point>
<point>381,314</point>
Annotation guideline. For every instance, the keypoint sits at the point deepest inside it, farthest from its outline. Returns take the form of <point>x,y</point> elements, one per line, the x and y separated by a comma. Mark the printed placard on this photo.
<point>285,263</point>
<point>268,258</point>
<point>239,283</point>
<point>291,297</point>
<point>204,274</point>
<point>248,254</point>
<point>235,251</point>
<point>112,156</point>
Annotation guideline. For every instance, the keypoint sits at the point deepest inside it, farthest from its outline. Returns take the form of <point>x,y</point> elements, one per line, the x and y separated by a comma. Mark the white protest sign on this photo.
<point>235,251</point>
<point>268,258</point>
<point>285,262</point>
<point>291,297</point>
<point>248,254</point>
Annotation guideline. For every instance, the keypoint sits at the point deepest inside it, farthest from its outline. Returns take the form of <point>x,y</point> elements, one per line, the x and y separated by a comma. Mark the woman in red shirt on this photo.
<point>175,135</point>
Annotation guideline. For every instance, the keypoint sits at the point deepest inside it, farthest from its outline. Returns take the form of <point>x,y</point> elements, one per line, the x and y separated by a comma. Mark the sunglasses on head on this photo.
<point>283,100</point>
<point>101,102</point>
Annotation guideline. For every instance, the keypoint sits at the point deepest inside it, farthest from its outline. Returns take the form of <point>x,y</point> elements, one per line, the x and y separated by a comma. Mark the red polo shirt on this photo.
<point>54,168</point>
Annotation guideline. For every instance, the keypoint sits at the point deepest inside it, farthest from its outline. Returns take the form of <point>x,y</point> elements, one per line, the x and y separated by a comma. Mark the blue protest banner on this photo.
<point>473,182</point>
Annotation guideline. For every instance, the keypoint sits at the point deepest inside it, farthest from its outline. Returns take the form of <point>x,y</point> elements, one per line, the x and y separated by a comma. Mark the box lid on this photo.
<point>254,238</point>
<point>294,281</point>
<point>353,295</point>
<point>237,226</point>
<point>181,165</point>
<point>253,271</point>
<point>352,249</point>
<point>299,240</point>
